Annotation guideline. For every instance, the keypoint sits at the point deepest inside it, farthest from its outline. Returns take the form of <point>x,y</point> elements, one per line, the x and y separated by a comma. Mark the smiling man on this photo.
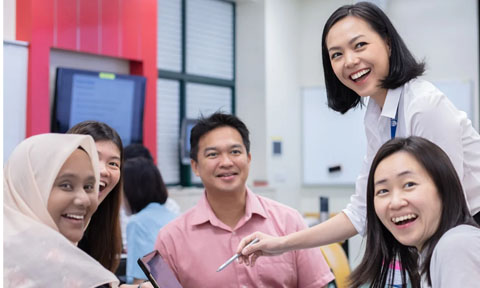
<point>203,238</point>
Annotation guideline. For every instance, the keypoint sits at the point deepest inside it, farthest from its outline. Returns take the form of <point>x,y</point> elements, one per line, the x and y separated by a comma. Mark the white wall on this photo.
<point>445,34</point>
<point>313,15</point>
<point>15,95</point>
<point>9,10</point>
<point>268,94</point>
<point>283,98</point>
<point>250,81</point>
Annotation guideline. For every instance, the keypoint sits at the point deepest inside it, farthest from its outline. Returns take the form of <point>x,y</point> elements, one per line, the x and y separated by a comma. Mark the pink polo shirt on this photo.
<point>197,243</point>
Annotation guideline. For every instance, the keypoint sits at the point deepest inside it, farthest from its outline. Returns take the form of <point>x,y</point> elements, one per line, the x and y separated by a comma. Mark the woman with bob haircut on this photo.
<point>416,209</point>
<point>103,238</point>
<point>364,56</point>
<point>145,195</point>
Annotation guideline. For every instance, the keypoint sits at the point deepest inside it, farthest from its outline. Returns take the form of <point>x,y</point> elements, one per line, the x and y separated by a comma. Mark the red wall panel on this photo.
<point>119,28</point>
<point>25,6</point>
<point>88,25</point>
<point>148,45</point>
<point>36,30</point>
<point>130,33</point>
<point>110,29</point>
<point>65,24</point>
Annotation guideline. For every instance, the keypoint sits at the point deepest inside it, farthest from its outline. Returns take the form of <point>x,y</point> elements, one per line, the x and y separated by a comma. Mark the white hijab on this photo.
<point>35,253</point>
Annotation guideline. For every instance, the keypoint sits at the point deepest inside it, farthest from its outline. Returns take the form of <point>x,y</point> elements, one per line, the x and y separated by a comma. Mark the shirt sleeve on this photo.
<point>312,269</point>
<point>455,260</point>
<point>437,120</point>
<point>162,245</point>
<point>137,246</point>
<point>356,210</point>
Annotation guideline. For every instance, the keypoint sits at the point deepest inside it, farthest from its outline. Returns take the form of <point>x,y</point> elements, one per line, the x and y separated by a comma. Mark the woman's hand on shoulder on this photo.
<point>266,246</point>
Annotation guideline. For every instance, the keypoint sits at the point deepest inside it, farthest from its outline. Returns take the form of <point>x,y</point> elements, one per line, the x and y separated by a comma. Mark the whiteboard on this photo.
<point>330,139</point>
<point>15,63</point>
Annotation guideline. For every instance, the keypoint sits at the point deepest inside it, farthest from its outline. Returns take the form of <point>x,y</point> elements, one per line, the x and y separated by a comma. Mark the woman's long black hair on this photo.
<point>382,248</point>
<point>103,238</point>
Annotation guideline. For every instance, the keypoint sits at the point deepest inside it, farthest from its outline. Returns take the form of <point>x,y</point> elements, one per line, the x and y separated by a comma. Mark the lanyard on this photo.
<point>393,125</point>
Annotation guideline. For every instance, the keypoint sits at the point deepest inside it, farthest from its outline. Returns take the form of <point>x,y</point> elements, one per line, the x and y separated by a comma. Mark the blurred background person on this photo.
<point>139,150</point>
<point>145,196</point>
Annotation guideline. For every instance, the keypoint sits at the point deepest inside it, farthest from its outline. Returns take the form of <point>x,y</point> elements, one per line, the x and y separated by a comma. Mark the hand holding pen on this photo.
<point>235,256</point>
<point>266,246</point>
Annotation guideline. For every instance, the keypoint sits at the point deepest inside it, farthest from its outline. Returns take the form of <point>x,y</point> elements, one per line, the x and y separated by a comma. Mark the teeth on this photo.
<point>360,74</point>
<point>226,175</point>
<point>403,218</point>
<point>78,217</point>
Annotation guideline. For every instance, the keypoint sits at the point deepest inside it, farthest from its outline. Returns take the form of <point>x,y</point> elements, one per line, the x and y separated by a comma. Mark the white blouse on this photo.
<point>423,111</point>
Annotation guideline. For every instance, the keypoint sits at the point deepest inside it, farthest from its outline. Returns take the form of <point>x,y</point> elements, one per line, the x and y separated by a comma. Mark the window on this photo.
<point>196,70</point>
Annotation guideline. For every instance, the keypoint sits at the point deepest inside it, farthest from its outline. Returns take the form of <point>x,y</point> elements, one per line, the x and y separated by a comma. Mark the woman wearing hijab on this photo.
<point>50,192</point>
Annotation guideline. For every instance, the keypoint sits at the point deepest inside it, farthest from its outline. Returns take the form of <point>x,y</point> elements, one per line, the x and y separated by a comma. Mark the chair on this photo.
<point>338,262</point>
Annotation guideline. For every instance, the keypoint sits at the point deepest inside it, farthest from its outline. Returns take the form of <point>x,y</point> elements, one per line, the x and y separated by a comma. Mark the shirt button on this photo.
<point>233,233</point>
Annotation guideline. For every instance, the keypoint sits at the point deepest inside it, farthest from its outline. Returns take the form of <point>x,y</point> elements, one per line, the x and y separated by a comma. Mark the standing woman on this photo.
<point>363,55</point>
<point>103,239</point>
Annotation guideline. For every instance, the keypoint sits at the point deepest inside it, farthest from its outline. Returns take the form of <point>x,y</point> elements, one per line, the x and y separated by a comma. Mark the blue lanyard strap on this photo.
<point>393,125</point>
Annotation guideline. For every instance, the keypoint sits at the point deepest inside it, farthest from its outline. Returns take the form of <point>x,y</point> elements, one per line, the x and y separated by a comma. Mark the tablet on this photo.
<point>157,271</point>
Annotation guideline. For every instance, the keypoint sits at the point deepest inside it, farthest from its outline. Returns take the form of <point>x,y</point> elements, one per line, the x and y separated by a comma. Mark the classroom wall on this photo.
<point>268,95</point>
<point>15,64</point>
<point>9,20</point>
<point>250,82</point>
<point>283,98</point>
<point>445,34</point>
<point>278,53</point>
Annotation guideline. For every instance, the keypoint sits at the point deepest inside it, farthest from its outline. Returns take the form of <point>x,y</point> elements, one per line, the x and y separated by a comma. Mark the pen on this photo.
<point>236,256</point>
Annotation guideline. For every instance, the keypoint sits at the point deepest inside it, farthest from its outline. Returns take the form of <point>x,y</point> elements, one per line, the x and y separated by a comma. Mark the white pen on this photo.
<point>236,256</point>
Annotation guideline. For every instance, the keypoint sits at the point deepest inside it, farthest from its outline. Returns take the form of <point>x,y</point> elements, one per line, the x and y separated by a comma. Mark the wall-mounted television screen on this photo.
<point>118,100</point>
